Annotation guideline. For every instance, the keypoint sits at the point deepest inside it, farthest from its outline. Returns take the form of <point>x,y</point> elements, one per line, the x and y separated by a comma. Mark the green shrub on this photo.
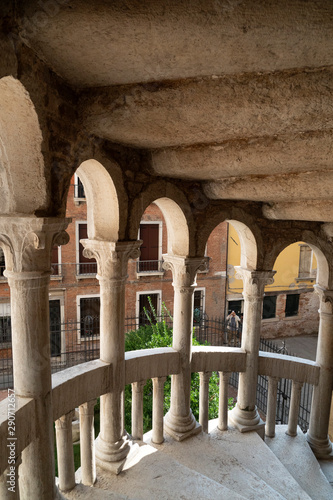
<point>159,334</point>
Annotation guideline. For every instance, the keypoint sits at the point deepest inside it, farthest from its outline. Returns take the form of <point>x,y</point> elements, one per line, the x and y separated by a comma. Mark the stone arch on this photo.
<point>249,253</point>
<point>22,174</point>
<point>103,213</point>
<point>321,248</point>
<point>244,228</point>
<point>176,212</point>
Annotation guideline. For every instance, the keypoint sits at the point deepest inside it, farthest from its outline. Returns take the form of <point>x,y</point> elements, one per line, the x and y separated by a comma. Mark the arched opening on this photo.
<point>290,306</point>
<point>22,176</point>
<point>93,206</point>
<point>102,201</point>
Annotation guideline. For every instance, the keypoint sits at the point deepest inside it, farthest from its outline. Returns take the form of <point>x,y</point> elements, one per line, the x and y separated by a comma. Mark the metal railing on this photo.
<point>86,268</point>
<point>56,270</point>
<point>149,266</point>
<point>74,342</point>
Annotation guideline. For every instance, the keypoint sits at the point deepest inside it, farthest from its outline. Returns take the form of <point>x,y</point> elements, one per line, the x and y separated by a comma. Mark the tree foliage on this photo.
<point>158,334</point>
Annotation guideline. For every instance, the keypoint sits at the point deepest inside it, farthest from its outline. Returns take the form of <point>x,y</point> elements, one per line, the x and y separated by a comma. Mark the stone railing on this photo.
<point>300,371</point>
<point>81,385</point>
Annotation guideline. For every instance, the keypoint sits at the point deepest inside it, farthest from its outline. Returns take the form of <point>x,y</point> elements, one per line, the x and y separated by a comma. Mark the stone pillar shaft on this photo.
<point>204,399</point>
<point>245,415</point>
<point>137,409</point>
<point>112,445</point>
<point>87,443</point>
<point>271,406</point>
<point>317,435</point>
<point>223,401</point>
<point>179,421</point>
<point>65,452</point>
<point>158,403</point>
<point>27,243</point>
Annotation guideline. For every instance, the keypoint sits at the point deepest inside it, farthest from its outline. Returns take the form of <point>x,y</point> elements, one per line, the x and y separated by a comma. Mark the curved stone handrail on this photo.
<point>77,385</point>
<point>289,367</point>
<point>24,433</point>
<point>145,364</point>
<point>223,359</point>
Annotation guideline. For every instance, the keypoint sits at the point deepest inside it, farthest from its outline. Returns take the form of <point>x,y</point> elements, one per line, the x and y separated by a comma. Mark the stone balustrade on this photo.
<point>79,386</point>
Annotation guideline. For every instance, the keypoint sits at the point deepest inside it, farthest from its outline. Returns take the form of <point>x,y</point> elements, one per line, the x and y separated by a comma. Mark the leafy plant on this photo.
<point>158,334</point>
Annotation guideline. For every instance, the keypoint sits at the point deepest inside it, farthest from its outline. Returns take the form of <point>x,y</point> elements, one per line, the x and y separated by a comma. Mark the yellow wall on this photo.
<point>286,267</point>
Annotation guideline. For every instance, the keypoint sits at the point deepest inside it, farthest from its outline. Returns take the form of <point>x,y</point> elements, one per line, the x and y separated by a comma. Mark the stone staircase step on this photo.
<point>264,462</point>
<point>297,456</point>
<point>235,460</point>
<point>327,468</point>
<point>153,475</point>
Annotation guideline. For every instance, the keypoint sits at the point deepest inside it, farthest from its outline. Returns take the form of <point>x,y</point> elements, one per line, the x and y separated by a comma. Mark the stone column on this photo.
<point>179,421</point>
<point>87,443</point>
<point>137,409</point>
<point>317,434</point>
<point>204,400</point>
<point>27,242</point>
<point>65,452</point>
<point>112,444</point>
<point>158,403</point>
<point>245,415</point>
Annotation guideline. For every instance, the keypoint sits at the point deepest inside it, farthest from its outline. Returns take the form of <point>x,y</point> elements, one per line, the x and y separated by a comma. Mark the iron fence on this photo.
<point>74,342</point>
<point>283,392</point>
<point>149,266</point>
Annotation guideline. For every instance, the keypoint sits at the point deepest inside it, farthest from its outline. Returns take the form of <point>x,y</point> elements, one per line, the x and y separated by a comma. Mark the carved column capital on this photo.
<point>184,269</point>
<point>254,282</point>
<point>112,257</point>
<point>27,243</point>
<point>326,299</point>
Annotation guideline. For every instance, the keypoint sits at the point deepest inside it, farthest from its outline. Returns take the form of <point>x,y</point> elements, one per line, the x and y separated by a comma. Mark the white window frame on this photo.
<point>78,316</point>
<point>160,242</point>
<point>203,290</point>
<point>137,302</point>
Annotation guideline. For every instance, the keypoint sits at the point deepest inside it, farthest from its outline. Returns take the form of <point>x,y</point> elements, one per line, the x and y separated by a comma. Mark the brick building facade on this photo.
<point>74,288</point>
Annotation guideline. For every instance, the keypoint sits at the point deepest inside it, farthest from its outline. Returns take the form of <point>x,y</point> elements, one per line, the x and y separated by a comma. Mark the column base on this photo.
<point>180,428</point>
<point>322,448</point>
<point>246,421</point>
<point>112,456</point>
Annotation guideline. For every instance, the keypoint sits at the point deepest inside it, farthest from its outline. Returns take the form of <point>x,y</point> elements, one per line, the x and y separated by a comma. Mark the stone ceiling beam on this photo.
<point>304,151</point>
<point>211,110</point>
<point>274,188</point>
<point>313,210</point>
<point>103,43</point>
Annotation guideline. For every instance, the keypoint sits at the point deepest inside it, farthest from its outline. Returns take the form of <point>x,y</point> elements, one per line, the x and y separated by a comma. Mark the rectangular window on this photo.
<point>149,257</point>
<point>55,261</point>
<point>235,305</point>
<point>55,327</point>
<point>305,261</point>
<point>2,263</point>
<point>292,305</point>
<point>89,317</point>
<point>84,265</point>
<point>147,303</point>
<point>269,307</point>
<point>198,306</point>
<point>78,189</point>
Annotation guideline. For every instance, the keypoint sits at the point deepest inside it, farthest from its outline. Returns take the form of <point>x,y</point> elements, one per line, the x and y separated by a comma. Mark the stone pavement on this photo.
<point>301,346</point>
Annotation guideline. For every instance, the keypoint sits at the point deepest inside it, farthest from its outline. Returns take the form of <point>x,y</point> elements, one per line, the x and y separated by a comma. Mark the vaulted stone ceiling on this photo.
<point>234,93</point>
